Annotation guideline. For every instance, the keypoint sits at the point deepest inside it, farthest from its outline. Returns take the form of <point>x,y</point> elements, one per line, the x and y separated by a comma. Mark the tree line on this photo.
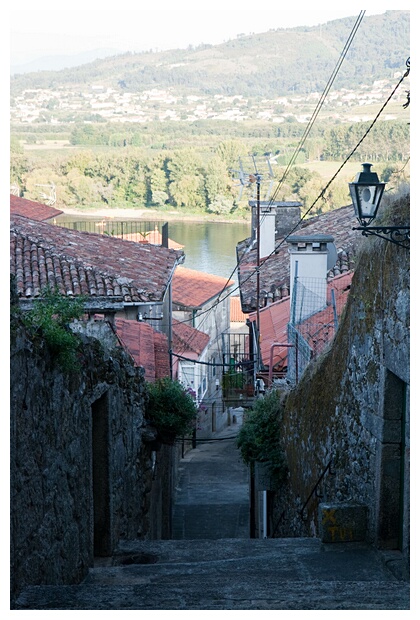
<point>388,141</point>
<point>193,179</point>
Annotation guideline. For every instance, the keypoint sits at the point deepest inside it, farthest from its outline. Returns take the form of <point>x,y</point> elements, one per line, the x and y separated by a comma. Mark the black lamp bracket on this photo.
<point>399,235</point>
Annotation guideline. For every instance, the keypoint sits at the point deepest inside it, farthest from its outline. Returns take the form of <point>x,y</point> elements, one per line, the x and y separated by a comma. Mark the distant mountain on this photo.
<point>59,62</point>
<point>276,63</point>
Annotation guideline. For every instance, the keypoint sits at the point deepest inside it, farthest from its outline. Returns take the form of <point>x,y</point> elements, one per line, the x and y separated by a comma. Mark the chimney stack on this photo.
<point>309,262</point>
<point>277,219</point>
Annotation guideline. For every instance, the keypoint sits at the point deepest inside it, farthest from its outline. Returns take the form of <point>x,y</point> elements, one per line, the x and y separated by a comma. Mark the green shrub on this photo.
<point>171,408</point>
<point>259,436</point>
<point>50,318</point>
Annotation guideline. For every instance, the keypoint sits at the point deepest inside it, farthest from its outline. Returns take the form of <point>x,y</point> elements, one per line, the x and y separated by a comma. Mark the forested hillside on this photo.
<point>166,130</point>
<point>269,64</point>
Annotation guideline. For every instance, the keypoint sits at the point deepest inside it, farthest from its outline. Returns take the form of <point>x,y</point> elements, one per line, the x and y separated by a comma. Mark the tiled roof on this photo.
<point>32,210</point>
<point>317,329</point>
<point>187,339</point>
<point>153,236</point>
<point>86,263</point>
<point>147,347</point>
<point>273,328</point>
<point>236,314</point>
<point>275,270</point>
<point>192,289</point>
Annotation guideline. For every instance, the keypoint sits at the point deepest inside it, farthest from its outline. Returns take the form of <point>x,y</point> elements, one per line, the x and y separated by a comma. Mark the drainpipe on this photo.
<point>264,514</point>
<point>270,368</point>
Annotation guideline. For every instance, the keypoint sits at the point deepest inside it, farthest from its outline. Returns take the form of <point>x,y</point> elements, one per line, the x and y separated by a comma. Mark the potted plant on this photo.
<point>171,409</point>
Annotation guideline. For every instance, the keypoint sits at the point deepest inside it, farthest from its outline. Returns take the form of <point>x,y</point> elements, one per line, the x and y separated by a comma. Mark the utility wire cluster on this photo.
<point>220,297</point>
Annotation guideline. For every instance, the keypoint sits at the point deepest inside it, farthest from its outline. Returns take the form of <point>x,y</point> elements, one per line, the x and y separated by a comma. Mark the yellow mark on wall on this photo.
<point>343,533</point>
<point>328,515</point>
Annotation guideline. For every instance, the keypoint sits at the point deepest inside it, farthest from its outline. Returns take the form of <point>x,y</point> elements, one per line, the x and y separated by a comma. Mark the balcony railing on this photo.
<point>140,231</point>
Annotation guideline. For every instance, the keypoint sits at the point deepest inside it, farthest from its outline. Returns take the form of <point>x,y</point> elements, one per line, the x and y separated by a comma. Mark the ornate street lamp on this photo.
<point>366,193</point>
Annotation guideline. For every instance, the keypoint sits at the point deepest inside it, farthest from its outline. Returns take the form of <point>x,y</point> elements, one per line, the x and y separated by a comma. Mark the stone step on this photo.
<point>231,574</point>
<point>275,594</point>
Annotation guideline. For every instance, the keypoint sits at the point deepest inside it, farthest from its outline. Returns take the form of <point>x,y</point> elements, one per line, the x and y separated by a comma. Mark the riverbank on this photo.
<point>155,215</point>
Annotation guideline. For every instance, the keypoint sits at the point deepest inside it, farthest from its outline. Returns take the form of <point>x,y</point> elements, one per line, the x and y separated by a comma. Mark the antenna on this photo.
<point>254,175</point>
<point>257,166</point>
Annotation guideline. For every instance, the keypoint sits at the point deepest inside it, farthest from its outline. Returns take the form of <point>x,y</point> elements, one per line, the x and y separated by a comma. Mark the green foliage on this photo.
<point>233,380</point>
<point>201,177</point>
<point>259,436</point>
<point>170,407</point>
<point>50,318</point>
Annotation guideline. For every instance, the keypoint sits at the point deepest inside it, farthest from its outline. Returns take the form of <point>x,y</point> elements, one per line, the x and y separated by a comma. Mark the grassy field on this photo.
<point>327,169</point>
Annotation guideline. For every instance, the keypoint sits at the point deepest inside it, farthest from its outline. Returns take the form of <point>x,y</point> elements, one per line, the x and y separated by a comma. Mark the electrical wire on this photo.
<point>321,194</point>
<point>313,117</point>
<point>322,99</point>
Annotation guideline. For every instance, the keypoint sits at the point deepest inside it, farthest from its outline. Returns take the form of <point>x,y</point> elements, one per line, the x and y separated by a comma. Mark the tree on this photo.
<point>217,181</point>
<point>186,184</point>
<point>220,205</point>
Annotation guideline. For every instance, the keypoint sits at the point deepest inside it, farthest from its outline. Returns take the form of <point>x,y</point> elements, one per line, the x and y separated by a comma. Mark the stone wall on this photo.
<point>83,471</point>
<point>352,407</point>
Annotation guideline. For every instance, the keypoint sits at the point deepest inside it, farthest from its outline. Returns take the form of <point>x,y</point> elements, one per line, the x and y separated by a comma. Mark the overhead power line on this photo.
<point>312,119</point>
<point>320,195</point>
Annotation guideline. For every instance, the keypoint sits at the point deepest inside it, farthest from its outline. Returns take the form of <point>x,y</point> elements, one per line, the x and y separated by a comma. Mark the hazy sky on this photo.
<point>90,25</point>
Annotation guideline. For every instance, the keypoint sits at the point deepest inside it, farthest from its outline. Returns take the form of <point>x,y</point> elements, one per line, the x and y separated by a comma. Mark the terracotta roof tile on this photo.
<point>192,289</point>
<point>86,263</point>
<point>236,314</point>
<point>32,210</point>
<point>147,347</point>
<point>153,236</point>
<point>162,368</point>
<point>273,328</point>
<point>274,272</point>
<point>187,339</point>
<point>319,328</point>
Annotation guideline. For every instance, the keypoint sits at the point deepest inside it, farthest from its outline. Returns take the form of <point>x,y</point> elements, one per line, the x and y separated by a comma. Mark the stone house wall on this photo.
<point>83,474</point>
<point>352,406</point>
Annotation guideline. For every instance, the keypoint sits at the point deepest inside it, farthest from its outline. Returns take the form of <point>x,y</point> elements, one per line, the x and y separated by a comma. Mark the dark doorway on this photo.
<point>100,475</point>
<point>392,473</point>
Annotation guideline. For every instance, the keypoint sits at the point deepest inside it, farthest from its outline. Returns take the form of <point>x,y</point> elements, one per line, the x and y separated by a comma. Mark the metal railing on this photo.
<point>329,469</point>
<point>142,231</point>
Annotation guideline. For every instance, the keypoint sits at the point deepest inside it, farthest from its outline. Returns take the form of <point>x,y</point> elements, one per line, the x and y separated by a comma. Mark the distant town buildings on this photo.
<point>63,105</point>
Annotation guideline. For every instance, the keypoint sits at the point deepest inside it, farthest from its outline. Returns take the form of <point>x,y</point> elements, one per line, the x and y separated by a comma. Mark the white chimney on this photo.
<point>267,230</point>
<point>309,262</point>
<point>276,220</point>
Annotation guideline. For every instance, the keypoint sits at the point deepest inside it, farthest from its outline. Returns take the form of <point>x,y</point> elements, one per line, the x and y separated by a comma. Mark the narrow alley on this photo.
<point>211,563</point>
<point>212,496</point>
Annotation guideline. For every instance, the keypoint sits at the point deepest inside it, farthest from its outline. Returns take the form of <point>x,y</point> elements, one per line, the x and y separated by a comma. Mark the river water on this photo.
<point>208,246</point>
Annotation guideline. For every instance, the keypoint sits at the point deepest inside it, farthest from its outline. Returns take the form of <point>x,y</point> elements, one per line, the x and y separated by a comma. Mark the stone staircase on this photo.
<point>229,574</point>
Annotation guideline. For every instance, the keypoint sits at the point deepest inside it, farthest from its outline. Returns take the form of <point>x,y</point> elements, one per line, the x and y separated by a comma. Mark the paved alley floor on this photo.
<point>212,564</point>
<point>212,495</point>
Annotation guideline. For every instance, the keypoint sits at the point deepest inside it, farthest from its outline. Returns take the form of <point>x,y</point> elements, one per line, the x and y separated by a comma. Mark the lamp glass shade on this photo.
<point>366,194</point>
